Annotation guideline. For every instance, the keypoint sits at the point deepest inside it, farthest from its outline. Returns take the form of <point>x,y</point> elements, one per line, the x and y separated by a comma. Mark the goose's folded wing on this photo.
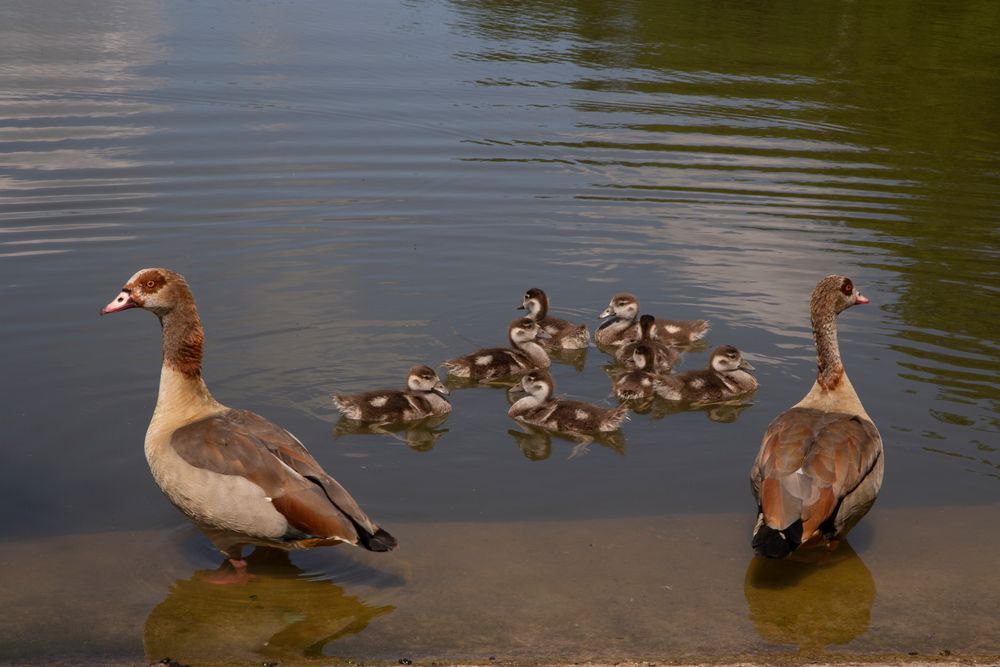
<point>808,461</point>
<point>244,444</point>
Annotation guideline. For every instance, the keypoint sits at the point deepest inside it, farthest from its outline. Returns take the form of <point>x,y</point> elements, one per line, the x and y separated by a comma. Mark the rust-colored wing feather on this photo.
<point>238,442</point>
<point>808,462</point>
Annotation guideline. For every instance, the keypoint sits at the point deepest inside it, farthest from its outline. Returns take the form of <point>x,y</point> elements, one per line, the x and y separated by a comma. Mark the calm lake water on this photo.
<point>355,188</point>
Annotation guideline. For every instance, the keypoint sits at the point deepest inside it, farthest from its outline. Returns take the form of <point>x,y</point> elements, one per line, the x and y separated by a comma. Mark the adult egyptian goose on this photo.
<point>425,397</point>
<point>820,464</point>
<point>541,408</point>
<point>240,478</point>
<point>562,333</point>
<point>498,363</point>
<point>727,377</point>
<point>622,327</point>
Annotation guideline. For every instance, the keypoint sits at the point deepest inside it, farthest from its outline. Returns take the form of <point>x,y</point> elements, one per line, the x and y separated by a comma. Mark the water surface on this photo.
<point>352,190</point>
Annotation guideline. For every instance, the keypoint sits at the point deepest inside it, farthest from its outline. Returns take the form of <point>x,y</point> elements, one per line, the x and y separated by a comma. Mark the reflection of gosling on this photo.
<point>726,377</point>
<point>564,334</point>
<point>540,408</point>
<point>494,363</point>
<point>425,397</point>
<point>621,328</point>
<point>641,380</point>
<point>666,356</point>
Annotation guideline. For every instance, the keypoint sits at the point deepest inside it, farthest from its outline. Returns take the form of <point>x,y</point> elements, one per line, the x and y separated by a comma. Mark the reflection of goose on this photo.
<point>810,604</point>
<point>420,436</point>
<point>820,464</point>
<point>278,615</point>
<point>239,477</point>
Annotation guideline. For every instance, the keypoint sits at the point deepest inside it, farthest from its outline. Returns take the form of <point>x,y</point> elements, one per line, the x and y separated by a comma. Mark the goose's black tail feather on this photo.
<point>772,543</point>
<point>380,541</point>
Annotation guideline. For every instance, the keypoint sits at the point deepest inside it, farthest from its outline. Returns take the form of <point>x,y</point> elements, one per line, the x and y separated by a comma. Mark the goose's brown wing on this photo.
<point>808,461</point>
<point>238,442</point>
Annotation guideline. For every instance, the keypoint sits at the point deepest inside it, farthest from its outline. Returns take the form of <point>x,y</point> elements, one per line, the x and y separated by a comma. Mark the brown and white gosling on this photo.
<point>820,464</point>
<point>639,381</point>
<point>562,333</point>
<point>727,377</point>
<point>237,476</point>
<point>622,328</point>
<point>501,362</point>
<point>425,396</point>
<point>666,356</point>
<point>541,408</point>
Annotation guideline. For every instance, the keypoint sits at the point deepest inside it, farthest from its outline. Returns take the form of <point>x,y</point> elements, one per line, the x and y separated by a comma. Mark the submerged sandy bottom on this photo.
<point>672,588</point>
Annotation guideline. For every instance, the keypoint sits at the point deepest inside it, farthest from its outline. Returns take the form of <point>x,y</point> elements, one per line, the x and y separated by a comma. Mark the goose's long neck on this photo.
<point>829,368</point>
<point>183,396</point>
<point>832,391</point>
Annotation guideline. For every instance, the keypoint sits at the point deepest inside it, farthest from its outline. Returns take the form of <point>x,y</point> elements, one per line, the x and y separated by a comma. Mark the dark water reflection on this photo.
<point>280,615</point>
<point>419,436</point>
<point>823,600</point>
<point>353,189</point>
<point>536,443</point>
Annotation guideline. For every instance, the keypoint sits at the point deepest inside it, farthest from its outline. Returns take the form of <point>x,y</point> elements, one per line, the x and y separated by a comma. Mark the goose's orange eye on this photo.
<point>150,283</point>
<point>847,287</point>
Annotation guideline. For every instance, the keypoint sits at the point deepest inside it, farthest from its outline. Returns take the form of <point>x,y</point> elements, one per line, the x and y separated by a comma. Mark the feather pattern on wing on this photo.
<point>809,461</point>
<point>241,443</point>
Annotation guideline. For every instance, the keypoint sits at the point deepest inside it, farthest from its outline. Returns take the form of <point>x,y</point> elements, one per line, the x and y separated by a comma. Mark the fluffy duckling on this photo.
<point>500,362</point>
<point>541,408</point>
<point>563,334</point>
<point>725,378</point>
<point>424,397</point>
<point>641,380</point>
<point>666,357</point>
<point>622,328</point>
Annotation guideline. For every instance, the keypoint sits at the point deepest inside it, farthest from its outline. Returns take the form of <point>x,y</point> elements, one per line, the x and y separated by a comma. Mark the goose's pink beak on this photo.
<point>860,298</point>
<point>121,302</point>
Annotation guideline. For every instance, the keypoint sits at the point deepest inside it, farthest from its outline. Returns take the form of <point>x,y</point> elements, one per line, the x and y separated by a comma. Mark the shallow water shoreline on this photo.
<point>532,592</point>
